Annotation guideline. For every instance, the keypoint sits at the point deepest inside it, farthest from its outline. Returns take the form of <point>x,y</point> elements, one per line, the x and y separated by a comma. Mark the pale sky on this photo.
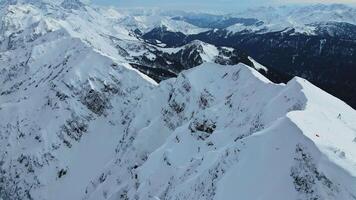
<point>210,4</point>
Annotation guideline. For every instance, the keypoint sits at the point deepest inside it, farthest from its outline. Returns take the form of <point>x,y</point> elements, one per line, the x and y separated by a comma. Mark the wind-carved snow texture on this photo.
<point>78,122</point>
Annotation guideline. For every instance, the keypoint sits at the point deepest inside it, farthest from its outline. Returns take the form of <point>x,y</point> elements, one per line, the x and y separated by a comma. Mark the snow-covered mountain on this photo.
<point>260,19</point>
<point>162,63</point>
<point>316,42</point>
<point>225,132</point>
<point>144,20</point>
<point>300,17</point>
<point>78,121</point>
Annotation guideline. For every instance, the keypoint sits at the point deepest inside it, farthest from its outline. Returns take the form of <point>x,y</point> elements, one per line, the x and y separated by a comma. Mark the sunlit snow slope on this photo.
<point>225,132</point>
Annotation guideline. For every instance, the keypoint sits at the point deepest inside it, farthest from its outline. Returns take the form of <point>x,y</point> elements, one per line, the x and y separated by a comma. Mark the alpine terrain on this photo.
<point>91,108</point>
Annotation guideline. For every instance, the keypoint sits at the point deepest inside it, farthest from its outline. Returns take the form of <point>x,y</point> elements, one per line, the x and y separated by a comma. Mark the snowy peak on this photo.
<point>299,16</point>
<point>207,52</point>
<point>214,118</point>
<point>26,23</point>
<point>264,19</point>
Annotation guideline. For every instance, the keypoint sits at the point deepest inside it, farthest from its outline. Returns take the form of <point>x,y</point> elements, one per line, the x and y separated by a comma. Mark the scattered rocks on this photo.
<point>203,128</point>
<point>306,177</point>
<point>95,101</point>
<point>62,173</point>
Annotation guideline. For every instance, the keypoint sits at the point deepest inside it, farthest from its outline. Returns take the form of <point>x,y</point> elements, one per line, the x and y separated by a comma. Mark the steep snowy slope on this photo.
<point>78,122</point>
<point>58,84</point>
<point>62,117</point>
<point>225,132</point>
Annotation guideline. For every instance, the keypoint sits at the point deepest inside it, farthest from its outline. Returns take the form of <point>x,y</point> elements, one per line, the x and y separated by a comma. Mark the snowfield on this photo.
<point>78,122</point>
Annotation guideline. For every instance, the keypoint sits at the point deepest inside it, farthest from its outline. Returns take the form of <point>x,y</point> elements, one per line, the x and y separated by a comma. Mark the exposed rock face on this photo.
<point>73,4</point>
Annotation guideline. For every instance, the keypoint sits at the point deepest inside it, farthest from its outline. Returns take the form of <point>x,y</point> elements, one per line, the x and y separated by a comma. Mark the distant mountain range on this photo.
<point>315,42</point>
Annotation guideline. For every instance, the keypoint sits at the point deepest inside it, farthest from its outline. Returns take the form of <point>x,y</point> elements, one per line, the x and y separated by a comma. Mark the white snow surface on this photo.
<point>145,20</point>
<point>77,122</point>
<point>297,17</point>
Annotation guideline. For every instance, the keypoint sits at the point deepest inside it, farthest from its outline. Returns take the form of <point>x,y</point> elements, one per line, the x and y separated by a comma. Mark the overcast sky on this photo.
<point>209,4</point>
